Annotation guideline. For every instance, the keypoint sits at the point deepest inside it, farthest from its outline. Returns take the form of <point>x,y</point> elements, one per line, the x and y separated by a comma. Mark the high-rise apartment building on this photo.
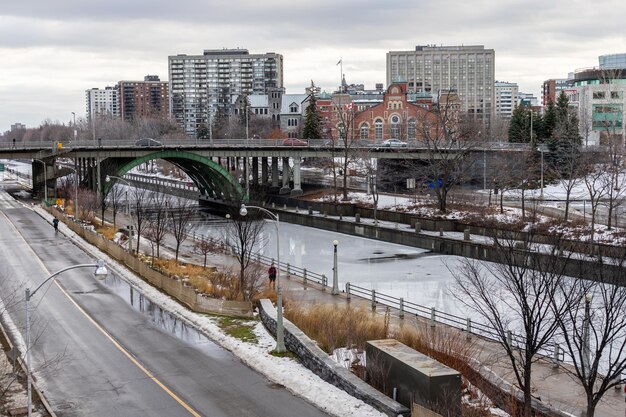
<point>201,84</point>
<point>552,88</point>
<point>506,98</point>
<point>467,71</point>
<point>147,98</point>
<point>102,102</point>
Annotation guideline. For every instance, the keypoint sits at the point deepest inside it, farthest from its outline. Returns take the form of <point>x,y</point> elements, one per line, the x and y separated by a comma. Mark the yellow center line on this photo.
<point>104,332</point>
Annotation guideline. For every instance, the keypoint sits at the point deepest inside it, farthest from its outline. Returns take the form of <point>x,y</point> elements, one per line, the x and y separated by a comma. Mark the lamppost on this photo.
<point>128,212</point>
<point>280,330</point>
<point>586,334</point>
<point>541,149</point>
<point>75,131</point>
<point>75,193</point>
<point>335,290</point>
<point>101,270</point>
<point>45,180</point>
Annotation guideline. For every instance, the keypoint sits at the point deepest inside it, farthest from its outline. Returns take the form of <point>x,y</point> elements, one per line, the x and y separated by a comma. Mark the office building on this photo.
<point>467,71</point>
<point>200,85</point>
<point>147,98</point>
<point>506,98</point>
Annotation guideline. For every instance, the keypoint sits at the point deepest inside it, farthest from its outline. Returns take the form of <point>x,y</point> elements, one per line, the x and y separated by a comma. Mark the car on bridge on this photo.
<point>394,143</point>
<point>148,142</point>
<point>294,142</point>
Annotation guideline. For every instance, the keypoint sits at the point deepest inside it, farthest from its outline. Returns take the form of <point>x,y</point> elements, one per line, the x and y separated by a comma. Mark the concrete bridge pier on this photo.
<point>255,171</point>
<point>274,187</point>
<point>264,171</point>
<point>285,188</point>
<point>297,186</point>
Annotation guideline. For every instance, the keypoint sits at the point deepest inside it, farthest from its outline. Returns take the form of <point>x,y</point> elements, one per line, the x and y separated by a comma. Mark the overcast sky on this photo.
<point>51,51</point>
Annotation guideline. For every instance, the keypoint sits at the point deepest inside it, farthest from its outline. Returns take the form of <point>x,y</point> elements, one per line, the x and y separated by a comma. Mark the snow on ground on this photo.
<point>284,371</point>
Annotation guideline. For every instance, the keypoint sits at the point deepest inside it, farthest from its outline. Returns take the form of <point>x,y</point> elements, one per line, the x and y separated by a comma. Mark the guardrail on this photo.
<point>435,316</point>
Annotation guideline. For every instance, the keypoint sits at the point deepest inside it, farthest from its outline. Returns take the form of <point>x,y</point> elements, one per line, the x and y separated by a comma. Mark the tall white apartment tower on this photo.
<point>506,98</point>
<point>199,85</point>
<point>466,70</point>
<point>102,102</point>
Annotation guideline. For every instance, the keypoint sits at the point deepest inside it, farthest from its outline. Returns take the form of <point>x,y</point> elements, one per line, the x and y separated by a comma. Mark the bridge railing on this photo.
<point>64,146</point>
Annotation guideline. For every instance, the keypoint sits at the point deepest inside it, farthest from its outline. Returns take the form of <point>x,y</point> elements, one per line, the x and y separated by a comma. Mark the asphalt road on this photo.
<point>94,355</point>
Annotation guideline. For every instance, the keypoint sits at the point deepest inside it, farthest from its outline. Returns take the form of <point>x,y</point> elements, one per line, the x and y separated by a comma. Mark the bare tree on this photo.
<point>180,214</point>
<point>518,295</point>
<point>114,201</point>
<point>345,140</point>
<point>245,233</point>
<point>204,246</point>
<point>448,145</point>
<point>596,190</point>
<point>594,332</point>
<point>141,207</point>
<point>158,218</point>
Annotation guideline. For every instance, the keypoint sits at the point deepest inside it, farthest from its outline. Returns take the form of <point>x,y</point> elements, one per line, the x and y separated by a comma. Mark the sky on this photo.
<point>53,50</point>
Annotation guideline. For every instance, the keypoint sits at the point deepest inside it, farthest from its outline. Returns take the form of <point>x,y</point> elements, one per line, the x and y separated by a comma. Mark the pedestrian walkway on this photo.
<point>552,385</point>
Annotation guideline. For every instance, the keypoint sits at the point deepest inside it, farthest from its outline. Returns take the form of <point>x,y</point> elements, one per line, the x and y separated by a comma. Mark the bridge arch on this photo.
<point>210,177</point>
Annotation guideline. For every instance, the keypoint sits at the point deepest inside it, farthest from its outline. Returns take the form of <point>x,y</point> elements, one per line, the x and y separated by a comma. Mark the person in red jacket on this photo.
<point>271,273</point>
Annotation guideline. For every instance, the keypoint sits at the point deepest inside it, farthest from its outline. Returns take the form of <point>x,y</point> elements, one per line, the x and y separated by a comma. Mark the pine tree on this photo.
<point>312,128</point>
<point>519,128</point>
<point>549,121</point>
<point>565,141</point>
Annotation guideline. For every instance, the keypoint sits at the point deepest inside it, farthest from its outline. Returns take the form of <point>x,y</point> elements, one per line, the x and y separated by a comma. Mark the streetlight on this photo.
<point>280,330</point>
<point>128,212</point>
<point>75,131</point>
<point>101,270</point>
<point>335,290</point>
<point>541,149</point>
<point>45,180</point>
<point>586,325</point>
<point>75,193</point>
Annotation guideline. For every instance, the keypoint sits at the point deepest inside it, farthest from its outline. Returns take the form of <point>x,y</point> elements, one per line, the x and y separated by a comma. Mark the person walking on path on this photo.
<point>271,274</point>
<point>55,224</point>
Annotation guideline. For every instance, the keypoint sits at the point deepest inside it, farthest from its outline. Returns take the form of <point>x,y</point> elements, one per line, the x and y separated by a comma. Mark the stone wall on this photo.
<point>322,365</point>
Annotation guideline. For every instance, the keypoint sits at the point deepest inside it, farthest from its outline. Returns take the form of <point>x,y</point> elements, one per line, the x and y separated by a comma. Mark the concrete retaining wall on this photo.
<point>322,365</point>
<point>173,287</point>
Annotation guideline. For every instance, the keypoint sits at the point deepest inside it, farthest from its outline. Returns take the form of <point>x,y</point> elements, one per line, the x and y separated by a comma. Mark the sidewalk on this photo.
<point>552,385</point>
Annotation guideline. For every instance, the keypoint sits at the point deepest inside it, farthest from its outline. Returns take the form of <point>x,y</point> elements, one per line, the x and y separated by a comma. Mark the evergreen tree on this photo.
<point>549,121</point>
<point>220,124</point>
<point>519,127</point>
<point>312,126</point>
<point>243,110</point>
<point>565,141</point>
<point>202,131</point>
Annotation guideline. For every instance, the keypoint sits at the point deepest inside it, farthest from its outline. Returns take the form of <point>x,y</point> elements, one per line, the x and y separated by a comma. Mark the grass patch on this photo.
<point>239,329</point>
<point>285,354</point>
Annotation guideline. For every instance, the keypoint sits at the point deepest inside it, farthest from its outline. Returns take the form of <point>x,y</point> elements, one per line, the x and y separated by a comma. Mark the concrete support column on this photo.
<point>285,188</point>
<point>297,188</point>
<point>255,170</point>
<point>274,188</point>
<point>264,171</point>
<point>246,173</point>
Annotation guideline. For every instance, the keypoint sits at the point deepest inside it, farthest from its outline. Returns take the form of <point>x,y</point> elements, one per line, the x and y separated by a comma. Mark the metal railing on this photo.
<point>434,317</point>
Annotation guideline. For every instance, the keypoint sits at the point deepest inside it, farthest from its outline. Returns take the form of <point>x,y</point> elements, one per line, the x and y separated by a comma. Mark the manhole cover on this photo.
<point>65,406</point>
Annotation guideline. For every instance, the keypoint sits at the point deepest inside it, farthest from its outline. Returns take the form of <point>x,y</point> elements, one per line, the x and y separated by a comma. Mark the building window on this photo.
<point>617,94</point>
<point>378,129</point>
<point>411,133</point>
<point>342,131</point>
<point>394,123</point>
<point>365,129</point>
<point>293,108</point>
<point>598,95</point>
<point>292,122</point>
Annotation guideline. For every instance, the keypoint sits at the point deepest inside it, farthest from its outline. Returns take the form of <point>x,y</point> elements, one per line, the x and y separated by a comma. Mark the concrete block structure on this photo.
<point>414,377</point>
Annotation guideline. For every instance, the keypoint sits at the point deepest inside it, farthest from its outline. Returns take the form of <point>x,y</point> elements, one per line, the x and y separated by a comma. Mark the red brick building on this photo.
<point>399,115</point>
<point>147,98</point>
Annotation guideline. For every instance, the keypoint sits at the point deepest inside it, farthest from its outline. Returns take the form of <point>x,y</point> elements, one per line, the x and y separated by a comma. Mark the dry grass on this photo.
<point>333,327</point>
<point>107,231</point>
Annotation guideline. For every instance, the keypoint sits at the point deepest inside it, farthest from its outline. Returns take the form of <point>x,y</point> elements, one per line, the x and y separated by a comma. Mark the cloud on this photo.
<point>63,47</point>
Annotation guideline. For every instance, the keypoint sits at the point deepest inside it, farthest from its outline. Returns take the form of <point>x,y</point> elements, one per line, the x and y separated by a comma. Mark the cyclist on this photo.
<point>55,223</point>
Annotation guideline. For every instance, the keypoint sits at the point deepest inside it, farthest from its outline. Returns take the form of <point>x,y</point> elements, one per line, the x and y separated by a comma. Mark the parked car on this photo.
<point>294,142</point>
<point>394,143</point>
<point>149,142</point>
